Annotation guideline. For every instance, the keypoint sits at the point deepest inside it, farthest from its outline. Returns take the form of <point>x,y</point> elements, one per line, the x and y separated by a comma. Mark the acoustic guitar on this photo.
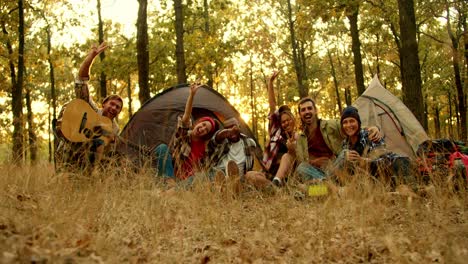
<point>81,123</point>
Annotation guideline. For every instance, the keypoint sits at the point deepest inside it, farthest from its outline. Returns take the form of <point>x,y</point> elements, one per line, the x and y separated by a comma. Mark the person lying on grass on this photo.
<point>360,153</point>
<point>187,152</point>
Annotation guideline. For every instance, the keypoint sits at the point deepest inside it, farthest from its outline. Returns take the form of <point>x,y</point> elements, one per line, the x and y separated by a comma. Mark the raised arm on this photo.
<point>83,73</point>
<point>188,106</point>
<point>271,92</point>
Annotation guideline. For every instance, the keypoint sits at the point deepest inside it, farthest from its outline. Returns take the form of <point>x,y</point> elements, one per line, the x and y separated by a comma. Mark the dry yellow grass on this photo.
<point>115,218</point>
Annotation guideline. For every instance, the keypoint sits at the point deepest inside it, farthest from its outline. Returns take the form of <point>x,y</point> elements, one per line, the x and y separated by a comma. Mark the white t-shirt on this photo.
<point>237,154</point>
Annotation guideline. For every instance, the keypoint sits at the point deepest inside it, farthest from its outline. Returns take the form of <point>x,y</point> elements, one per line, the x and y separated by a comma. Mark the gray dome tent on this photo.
<point>155,122</point>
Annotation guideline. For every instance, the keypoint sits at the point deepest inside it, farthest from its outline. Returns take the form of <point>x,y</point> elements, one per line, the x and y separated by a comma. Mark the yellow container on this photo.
<point>318,190</point>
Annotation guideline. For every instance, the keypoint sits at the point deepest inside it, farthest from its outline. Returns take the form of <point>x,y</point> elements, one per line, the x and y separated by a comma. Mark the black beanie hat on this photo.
<point>350,111</point>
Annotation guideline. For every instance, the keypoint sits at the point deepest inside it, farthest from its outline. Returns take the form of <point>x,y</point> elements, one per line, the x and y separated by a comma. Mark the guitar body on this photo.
<point>80,123</point>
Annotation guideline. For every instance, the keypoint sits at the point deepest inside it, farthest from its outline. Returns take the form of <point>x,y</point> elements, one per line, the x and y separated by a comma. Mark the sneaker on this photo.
<point>219,180</point>
<point>232,174</point>
<point>232,170</point>
<point>277,182</point>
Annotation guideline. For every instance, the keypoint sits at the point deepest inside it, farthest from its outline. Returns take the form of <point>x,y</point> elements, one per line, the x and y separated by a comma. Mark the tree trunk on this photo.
<point>129,96</point>
<point>206,15</point>
<point>303,91</point>
<point>252,98</point>
<point>17,91</point>
<point>31,129</point>
<point>450,128</point>
<point>463,18</point>
<point>437,121</point>
<point>458,82</point>
<point>335,81</point>
<point>180,53</point>
<point>356,48</point>
<point>409,61</point>
<point>102,78</point>
<point>143,52</point>
<point>347,96</point>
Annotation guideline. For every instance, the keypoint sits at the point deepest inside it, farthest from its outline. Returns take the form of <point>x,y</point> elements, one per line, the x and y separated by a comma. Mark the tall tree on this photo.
<point>335,81</point>
<point>102,56</point>
<point>455,38</point>
<point>32,136</point>
<point>352,16</point>
<point>17,87</point>
<point>410,69</point>
<point>179,52</point>
<point>143,52</point>
<point>298,60</point>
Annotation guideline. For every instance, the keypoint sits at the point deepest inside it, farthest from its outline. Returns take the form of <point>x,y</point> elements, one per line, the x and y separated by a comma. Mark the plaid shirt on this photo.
<point>364,145</point>
<point>217,151</point>
<point>180,147</point>
<point>82,92</point>
<point>276,140</point>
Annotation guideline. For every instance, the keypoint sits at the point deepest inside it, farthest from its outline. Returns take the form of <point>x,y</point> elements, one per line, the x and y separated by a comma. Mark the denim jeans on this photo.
<point>164,163</point>
<point>308,172</point>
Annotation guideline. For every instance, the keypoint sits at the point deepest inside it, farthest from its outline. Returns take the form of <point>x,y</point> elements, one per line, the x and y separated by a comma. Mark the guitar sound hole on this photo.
<point>87,132</point>
<point>97,130</point>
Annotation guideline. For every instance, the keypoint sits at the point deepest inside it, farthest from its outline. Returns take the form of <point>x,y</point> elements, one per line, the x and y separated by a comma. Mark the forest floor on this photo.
<point>125,217</point>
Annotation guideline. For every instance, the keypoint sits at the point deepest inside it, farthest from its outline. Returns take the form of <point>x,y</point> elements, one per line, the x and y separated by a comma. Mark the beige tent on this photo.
<point>377,106</point>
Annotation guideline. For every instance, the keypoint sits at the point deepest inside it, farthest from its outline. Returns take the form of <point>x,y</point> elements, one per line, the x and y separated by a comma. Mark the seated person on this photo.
<point>229,144</point>
<point>360,152</point>
<point>187,152</point>
<point>281,128</point>
<point>79,156</point>
<point>319,142</point>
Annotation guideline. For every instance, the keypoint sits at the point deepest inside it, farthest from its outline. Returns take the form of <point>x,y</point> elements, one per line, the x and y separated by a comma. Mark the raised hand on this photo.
<point>195,86</point>
<point>274,75</point>
<point>96,50</point>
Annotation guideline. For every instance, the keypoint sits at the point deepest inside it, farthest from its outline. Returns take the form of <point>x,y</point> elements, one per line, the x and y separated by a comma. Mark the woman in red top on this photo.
<point>186,152</point>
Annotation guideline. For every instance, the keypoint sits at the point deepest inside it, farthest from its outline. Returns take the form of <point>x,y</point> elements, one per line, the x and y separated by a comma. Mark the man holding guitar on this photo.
<point>84,128</point>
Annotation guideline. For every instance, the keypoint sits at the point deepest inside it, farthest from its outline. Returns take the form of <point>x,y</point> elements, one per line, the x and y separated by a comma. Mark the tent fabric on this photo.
<point>379,107</point>
<point>155,122</point>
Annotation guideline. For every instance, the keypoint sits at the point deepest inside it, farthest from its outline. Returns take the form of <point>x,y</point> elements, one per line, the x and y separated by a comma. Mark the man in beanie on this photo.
<point>319,143</point>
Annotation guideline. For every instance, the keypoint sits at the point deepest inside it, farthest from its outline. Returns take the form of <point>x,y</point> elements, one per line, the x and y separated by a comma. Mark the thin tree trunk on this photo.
<point>458,82</point>
<point>409,61</point>
<point>180,53</point>
<point>102,56</point>
<point>335,81</point>
<point>356,48</point>
<point>252,98</point>
<point>437,121</point>
<point>347,95</point>
<point>49,136</point>
<point>129,96</point>
<point>295,50</point>
<point>31,133</point>
<point>17,91</point>
<point>206,15</point>
<point>450,128</point>
<point>143,52</point>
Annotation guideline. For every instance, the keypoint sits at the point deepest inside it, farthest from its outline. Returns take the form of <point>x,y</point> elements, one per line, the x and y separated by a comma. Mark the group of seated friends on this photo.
<point>320,150</point>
